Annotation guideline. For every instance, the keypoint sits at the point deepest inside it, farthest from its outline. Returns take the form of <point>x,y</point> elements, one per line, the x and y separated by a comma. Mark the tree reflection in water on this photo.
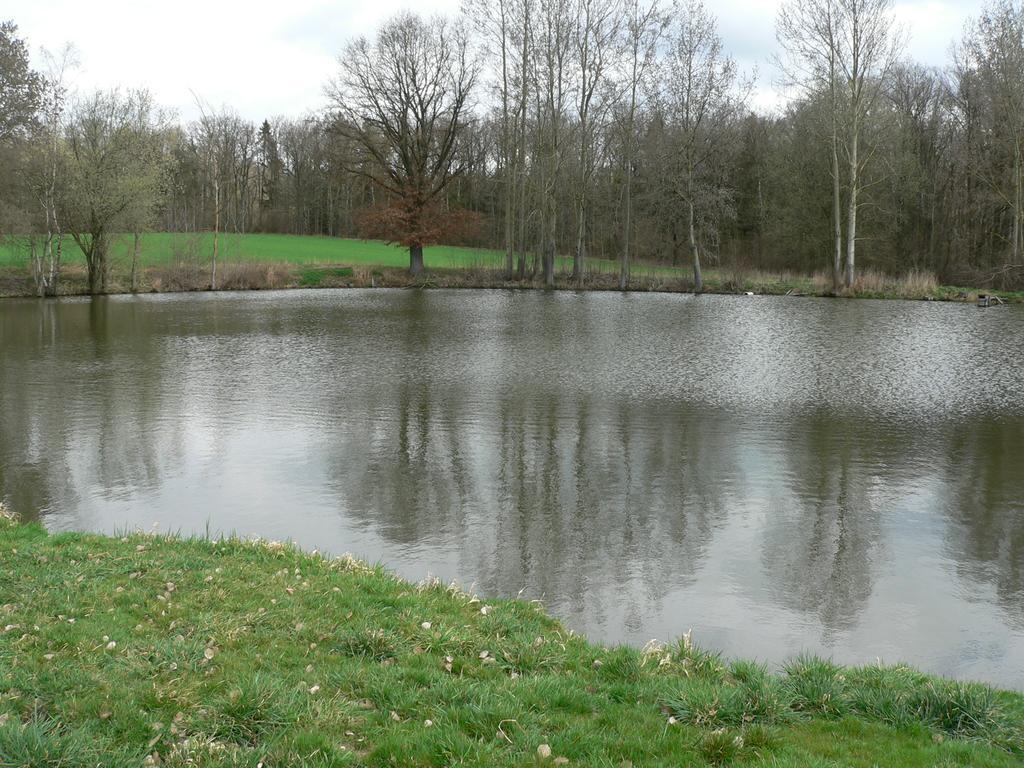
<point>643,464</point>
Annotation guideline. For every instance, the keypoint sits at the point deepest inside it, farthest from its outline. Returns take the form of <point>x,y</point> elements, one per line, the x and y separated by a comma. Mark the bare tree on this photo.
<point>45,173</point>
<point>114,165</point>
<point>526,81</point>
<point>141,213</point>
<point>402,99</point>
<point>225,147</point>
<point>504,25</point>
<point>597,29</point>
<point>552,59</point>
<point>871,45</point>
<point>703,103</point>
<point>989,72</point>
<point>846,49</point>
<point>644,26</point>
<point>809,33</point>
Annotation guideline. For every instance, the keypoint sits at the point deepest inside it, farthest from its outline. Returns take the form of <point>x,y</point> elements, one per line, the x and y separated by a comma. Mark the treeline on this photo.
<point>620,129</point>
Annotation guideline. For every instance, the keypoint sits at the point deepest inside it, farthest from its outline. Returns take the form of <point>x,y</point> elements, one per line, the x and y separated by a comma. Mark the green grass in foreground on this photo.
<point>154,651</point>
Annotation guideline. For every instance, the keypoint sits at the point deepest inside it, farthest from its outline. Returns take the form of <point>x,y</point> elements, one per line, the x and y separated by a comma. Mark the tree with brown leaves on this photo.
<point>401,100</point>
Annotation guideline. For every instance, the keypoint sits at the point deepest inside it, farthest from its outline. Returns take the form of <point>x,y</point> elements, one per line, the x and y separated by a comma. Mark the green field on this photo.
<point>145,651</point>
<point>163,248</point>
<point>160,248</point>
<point>263,261</point>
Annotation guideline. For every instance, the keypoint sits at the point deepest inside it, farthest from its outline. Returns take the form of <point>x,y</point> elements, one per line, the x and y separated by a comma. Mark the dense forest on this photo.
<point>620,129</point>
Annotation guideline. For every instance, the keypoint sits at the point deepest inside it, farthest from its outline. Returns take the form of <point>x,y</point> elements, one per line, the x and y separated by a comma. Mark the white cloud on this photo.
<point>267,58</point>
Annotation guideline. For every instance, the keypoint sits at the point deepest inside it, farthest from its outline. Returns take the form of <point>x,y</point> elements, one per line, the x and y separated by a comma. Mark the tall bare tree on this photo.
<point>595,35</point>
<point>645,24</point>
<point>844,48</point>
<point>703,104</point>
<point>114,166</point>
<point>809,33</point>
<point>45,175</point>
<point>504,26</point>
<point>552,61</point>
<point>871,46</point>
<point>402,99</point>
<point>225,147</point>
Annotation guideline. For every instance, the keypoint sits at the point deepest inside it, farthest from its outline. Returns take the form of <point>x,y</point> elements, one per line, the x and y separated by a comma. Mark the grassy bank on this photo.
<point>154,651</point>
<point>171,262</point>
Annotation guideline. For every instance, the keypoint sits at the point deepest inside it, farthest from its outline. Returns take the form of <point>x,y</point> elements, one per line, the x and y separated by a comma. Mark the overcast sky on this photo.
<point>272,58</point>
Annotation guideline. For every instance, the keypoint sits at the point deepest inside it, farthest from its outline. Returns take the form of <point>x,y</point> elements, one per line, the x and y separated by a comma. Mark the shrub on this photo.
<point>720,747</point>
<point>696,662</point>
<point>375,644</point>
<point>816,686</point>
<point>964,710</point>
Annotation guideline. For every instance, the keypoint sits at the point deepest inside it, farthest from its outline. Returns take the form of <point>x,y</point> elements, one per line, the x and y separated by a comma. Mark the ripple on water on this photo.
<point>841,476</point>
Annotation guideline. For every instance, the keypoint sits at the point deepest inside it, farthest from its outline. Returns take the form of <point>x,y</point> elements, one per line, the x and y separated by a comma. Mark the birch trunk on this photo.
<point>851,216</point>
<point>837,215</point>
<point>508,150</point>
<point>216,233</point>
<point>58,253</point>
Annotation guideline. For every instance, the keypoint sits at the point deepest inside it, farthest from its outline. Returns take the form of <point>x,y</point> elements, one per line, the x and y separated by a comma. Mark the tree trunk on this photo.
<point>96,259</point>
<point>521,142</point>
<point>216,233</point>
<point>55,263</point>
<point>415,260</point>
<point>135,263</point>
<point>851,217</point>
<point>630,128</point>
<point>837,216</point>
<point>837,205</point>
<point>509,224</point>
<point>551,243</point>
<point>627,224</point>
<point>93,280</point>
<point>509,152</point>
<point>35,260</point>
<point>578,262</point>
<point>698,277</point>
<point>1018,203</point>
<point>97,283</point>
<point>549,264</point>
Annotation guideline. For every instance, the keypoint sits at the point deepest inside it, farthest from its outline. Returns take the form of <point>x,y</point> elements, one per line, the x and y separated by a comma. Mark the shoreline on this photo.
<point>261,276</point>
<point>153,649</point>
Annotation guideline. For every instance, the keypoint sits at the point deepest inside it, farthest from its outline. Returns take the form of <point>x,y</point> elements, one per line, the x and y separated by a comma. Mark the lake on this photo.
<point>778,474</point>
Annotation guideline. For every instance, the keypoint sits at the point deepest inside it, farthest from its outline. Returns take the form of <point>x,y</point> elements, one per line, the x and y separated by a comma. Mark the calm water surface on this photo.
<point>845,477</point>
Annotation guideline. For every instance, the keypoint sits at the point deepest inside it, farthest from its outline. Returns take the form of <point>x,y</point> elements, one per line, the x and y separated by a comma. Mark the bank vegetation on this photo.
<point>154,650</point>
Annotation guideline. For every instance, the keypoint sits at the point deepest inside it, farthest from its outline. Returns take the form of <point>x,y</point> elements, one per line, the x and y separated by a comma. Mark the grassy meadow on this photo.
<point>151,650</point>
<point>181,262</point>
<point>162,249</point>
